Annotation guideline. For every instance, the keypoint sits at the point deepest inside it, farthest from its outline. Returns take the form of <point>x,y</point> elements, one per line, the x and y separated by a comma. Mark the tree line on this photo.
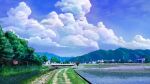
<point>15,50</point>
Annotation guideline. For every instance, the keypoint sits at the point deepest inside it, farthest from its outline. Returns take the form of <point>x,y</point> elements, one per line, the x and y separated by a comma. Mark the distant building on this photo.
<point>141,60</point>
<point>101,61</point>
<point>130,61</point>
<point>93,62</point>
<point>48,62</point>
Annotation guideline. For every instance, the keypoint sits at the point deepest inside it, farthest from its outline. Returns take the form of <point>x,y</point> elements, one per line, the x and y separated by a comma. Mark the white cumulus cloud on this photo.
<point>68,33</point>
<point>76,7</point>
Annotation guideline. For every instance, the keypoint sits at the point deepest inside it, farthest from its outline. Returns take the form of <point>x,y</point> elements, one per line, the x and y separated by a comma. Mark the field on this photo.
<point>21,74</point>
<point>39,75</point>
<point>116,73</point>
<point>108,73</point>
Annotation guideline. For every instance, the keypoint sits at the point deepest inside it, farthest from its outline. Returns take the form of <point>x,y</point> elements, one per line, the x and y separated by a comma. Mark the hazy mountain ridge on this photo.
<point>118,54</point>
<point>50,55</point>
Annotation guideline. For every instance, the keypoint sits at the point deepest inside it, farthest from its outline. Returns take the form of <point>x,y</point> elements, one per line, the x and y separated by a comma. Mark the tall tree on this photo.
<point>6,49</point>
<point>18,48</point>
<point>44,58</point>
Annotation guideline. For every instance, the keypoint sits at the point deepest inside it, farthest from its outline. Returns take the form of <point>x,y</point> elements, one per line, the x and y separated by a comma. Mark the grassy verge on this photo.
<point>105,65</point>
<point>20,74</point>
<point>11,71</point>
<point>32,78</point>
<point>74,78</point>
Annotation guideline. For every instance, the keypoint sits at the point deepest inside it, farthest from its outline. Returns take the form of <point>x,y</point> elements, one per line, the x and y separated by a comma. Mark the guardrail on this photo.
<point>62,64</point>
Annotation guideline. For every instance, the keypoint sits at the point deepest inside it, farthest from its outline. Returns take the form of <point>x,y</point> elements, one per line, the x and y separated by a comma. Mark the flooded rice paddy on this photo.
<point>116,74</point>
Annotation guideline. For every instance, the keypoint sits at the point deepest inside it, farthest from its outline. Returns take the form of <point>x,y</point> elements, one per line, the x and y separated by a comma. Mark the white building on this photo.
<point>48,62</point>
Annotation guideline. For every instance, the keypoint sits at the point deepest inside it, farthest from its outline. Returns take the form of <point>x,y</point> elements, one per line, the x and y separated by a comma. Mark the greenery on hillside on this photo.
<point>55,60</point>
<point>62,59</point>
<point>118,55</point>
<point>15,50</point>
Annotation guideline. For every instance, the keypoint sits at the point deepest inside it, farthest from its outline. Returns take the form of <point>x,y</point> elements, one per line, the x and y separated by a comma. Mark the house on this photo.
<point>48,62</point>
<point>140,60</point>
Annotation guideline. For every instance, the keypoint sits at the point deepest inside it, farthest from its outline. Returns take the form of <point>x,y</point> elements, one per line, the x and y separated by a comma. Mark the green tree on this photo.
<point>147,59</point>
<point>44,58</point>
<point>37,60</point>
<point>18,48</point>
<point>6,50</point>
<point>13,47</point>
<point>55,60</point>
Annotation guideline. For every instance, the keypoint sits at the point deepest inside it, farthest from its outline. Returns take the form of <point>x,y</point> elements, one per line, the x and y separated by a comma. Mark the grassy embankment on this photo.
<point>74,78</point>
<point>105,65</point>
<point>21,74</point>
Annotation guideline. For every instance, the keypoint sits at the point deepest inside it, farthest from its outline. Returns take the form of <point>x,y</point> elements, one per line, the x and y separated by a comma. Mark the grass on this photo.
<point>146,64</point>
<point>74,78</point>
<point>105,65</point>
<point>32,78</point>
<point>11,71</point>
<point>21,74</point>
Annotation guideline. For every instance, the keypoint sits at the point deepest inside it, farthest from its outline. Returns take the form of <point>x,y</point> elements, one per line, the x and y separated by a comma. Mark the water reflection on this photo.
<point>97,76</point>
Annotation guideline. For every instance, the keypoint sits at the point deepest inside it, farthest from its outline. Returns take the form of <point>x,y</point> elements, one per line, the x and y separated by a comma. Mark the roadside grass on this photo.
<point>32,78</point>
<point>21,74</point>
<point>74,78</point>
<point>105,65</point>
<point>15,70</point>
<point>43,78</point>
<point>146,64</point>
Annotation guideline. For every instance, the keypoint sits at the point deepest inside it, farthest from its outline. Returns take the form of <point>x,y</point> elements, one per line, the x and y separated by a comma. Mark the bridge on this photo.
<point>55,65</point>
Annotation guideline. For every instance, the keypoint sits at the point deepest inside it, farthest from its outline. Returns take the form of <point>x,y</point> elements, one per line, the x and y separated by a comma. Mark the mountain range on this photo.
<point>50,55</point>
<point>122,54</point>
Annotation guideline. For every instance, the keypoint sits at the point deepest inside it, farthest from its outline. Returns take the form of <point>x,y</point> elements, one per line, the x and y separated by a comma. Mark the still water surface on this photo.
<point>98,77</point>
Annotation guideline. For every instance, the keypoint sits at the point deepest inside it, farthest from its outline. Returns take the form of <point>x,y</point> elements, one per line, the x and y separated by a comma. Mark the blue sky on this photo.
<point>120,15</point>
<point>126,17</point>
<point>125,21</point>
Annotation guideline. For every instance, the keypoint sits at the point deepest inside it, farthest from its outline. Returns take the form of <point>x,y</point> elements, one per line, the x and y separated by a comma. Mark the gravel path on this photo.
<point>61,77</point>
<point>67,81</point>
<point>57,76</point>
<point>44,78</point>
<point>55,79</point>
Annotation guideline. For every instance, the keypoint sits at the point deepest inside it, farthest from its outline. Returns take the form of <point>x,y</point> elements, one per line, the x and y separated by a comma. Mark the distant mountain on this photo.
<point>50,55</point>
<point>119,54</point>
